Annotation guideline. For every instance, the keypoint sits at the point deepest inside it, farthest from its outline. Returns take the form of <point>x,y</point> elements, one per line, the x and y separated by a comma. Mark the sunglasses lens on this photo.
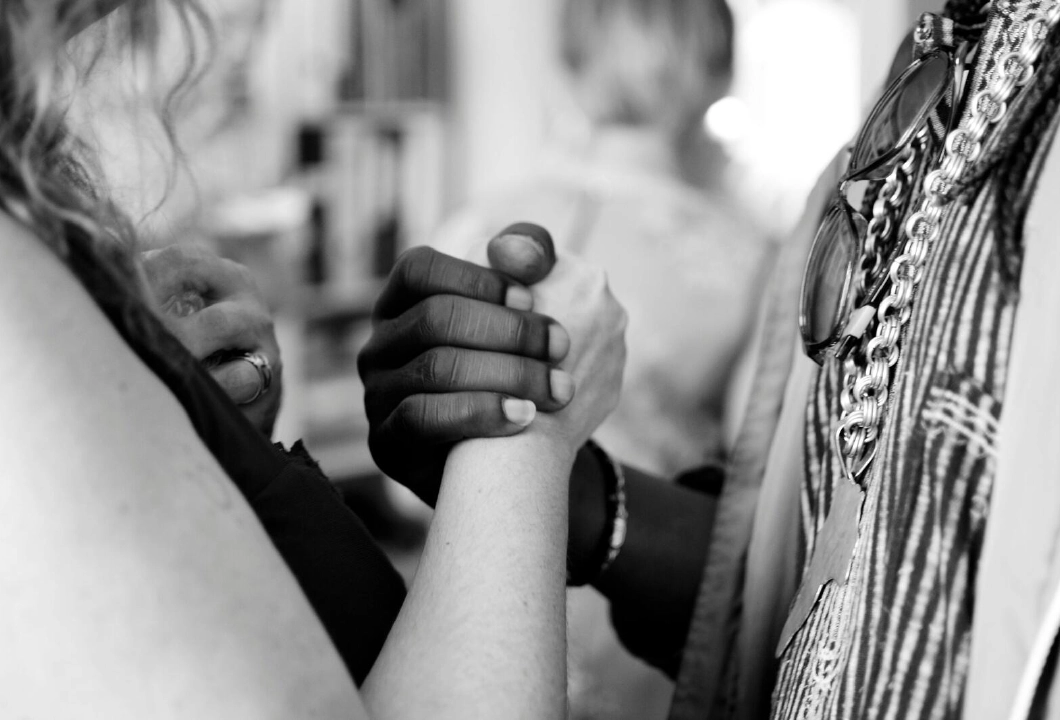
<point>902,108</point>
<point>824,287</point>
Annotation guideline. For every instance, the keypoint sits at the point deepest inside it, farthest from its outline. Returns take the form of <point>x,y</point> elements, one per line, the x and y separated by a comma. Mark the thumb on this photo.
<point>524,252</point>
<point>239,380</point>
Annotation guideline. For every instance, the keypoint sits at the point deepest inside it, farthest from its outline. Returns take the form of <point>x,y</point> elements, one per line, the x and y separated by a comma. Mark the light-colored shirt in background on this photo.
<point>687,266</point>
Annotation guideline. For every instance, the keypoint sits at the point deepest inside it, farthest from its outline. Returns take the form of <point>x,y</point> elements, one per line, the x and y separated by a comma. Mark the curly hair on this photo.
<point>49,178</point>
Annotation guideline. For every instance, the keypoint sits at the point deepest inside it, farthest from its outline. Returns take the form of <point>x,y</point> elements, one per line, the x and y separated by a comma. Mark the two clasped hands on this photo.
<point>484,379</point>
<point>510,342</point>
<point>477,348</point>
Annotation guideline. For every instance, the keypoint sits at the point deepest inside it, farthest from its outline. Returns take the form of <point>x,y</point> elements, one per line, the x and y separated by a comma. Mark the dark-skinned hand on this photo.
<point>457,352</point>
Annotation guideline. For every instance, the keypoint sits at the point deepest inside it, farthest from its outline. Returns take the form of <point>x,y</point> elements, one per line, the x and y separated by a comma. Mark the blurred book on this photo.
<point>386,188</point>
<point>398,51</point>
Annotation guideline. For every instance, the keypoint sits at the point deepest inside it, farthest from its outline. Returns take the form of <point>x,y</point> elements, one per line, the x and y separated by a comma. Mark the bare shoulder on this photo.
<point>67,370</point>
<point>133,564</point>
<point>39,297</point>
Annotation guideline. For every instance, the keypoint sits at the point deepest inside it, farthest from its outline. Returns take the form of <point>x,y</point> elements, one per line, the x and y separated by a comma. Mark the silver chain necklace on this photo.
<point>866,390</point>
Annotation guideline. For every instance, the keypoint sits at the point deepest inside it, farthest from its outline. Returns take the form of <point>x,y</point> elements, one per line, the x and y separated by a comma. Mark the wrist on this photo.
<point>588,508</point>
<point>552,458</point>
<point>597,515</point>
<point>496,464</point>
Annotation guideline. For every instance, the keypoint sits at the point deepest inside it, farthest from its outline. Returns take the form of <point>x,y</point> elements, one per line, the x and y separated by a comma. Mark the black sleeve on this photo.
<point>347,578</point>
<point>345,575</point>
<point>651,610</point>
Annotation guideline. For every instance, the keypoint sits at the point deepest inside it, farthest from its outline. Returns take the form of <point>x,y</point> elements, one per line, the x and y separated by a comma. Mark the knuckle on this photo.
<point>366,360</point>
<point>522,331</point>
<point>401,269</point>
<point>458,411</point>
<point>417,255</point>
<point>425,323</point>
<point>409,416</point>
<point>218,323</point>
<point>414,267</point>
<point>512,375</point>
<point>528,378</point>
<point>484,285</point>
<point>478,282</point>
<point>421,371</point>
<point>467,409</point>
<point>439,368</point>
<point>438,318</point>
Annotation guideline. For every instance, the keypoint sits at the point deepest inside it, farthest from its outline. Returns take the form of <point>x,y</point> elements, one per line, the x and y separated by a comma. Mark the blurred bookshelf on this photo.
<point>374,166</point>
<point>335,163</point>
<point>398,51</point>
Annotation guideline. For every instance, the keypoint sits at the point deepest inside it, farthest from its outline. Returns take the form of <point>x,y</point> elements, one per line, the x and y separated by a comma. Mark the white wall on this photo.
<point>504,88</point>
<point>502,63</point>
<point>806,71</point>
<point>883,25</point>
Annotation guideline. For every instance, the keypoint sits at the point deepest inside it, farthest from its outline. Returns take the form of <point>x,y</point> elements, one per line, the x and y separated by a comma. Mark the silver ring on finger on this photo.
<point>264,368</point>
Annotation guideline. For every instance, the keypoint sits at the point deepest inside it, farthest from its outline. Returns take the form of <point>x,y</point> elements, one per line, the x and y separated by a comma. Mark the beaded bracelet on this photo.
<point>614,535</point>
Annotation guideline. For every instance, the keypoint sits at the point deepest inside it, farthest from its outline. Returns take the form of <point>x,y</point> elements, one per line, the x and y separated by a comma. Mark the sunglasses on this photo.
<point>835,308</point>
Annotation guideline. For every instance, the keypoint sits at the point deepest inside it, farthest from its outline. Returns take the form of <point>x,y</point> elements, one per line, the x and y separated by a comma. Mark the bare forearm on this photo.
<point>482,633</point>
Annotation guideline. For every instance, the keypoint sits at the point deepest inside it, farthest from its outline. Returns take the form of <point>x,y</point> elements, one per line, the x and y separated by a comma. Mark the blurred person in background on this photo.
<point>685,259</point>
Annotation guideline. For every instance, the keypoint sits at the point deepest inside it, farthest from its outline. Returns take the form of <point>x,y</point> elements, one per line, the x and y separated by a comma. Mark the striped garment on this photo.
<point>894,641</point>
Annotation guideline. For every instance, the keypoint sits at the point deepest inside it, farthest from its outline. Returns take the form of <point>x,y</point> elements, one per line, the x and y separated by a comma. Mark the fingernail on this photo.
<point>520,412</point>
<point>518,249</point>
<point>558,342</point>
<point>531,230</point>
<point>562,386</point>
<point>522,251</point>
<point>519,298</point>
